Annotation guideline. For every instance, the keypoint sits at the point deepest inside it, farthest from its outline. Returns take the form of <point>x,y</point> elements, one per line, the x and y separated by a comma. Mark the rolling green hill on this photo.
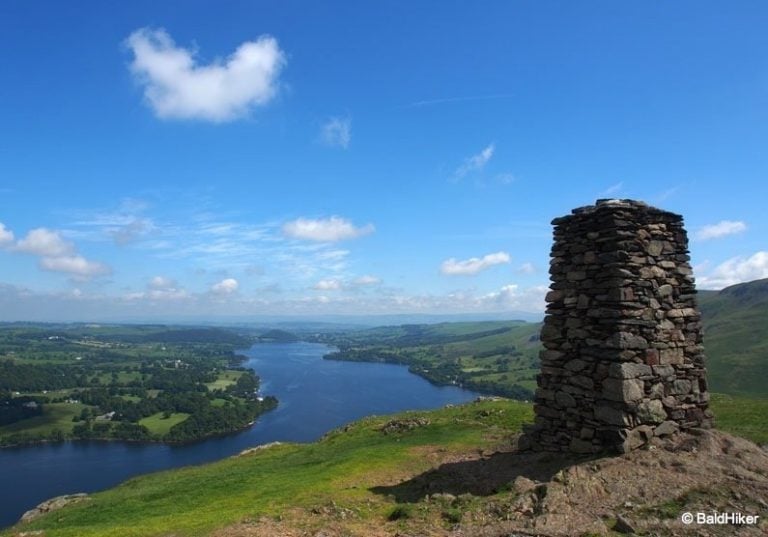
<point>501,357</point>
<point>496,357</point>
<point>736,338</point>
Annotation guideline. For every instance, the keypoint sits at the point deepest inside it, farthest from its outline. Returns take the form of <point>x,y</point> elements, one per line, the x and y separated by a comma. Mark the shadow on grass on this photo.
<point>482,476</point>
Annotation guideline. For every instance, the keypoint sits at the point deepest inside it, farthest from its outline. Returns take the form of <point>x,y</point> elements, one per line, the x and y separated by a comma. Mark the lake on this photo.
<point>315,396</point>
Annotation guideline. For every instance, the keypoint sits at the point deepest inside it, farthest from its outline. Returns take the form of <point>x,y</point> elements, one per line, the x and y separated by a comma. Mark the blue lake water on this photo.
<point>315,396</point>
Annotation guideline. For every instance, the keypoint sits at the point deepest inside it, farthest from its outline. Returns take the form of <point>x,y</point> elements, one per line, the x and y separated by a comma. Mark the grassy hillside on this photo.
<point>339,469</point>
<point>379,476</point>
<point>499,357</point>
<point>736,338</point>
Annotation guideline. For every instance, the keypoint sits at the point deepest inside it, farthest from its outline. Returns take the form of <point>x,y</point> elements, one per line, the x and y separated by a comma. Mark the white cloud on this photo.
<point>45,242</point>
<point>169,294</point>
<point>160,289</point>
<point>226,286</point>
<point>736,270</point>
<point>721,229</point>
<point>475,162</point>
<point>76,265</point>
<point>330,229</point>
<point>131,231</point>
<point>367,280</point>
<point>473,265</point>
<point>337,132</point>
<point>328,285</point>
<point>6,235</point>
<point>59,255</point>
<point>526,268</point>
<point>177,87</point>
<point>512,297</point>
<point>161,282</point>
<point>611,190</point>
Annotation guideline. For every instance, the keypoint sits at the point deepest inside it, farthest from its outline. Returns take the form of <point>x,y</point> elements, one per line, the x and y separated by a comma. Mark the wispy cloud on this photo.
<point>473,265</point>
<point>124,225</point>
<point>666,194</point>
<point>526,268</point>
<point>337,132</point>
<point>451,100</point>
<point>721,229</point>
<point>474,163</point>
<point>177,87</point>
<point>331,229</point>
<point>611,190</point>
<point>367,280</point>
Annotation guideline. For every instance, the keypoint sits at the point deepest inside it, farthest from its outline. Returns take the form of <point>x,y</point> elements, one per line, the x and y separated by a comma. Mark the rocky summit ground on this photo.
<point>509,493</point>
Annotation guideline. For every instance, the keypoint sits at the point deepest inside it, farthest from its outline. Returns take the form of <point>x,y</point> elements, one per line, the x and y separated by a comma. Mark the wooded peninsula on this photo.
<point>122,382</point>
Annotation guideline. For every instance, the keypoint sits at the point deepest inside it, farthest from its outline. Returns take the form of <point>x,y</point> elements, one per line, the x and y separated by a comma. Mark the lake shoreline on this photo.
<point>316,396</point>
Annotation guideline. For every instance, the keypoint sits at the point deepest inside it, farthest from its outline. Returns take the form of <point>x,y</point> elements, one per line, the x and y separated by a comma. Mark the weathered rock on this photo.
<point>53,504</point>
<point>666,428</point>
<point>622,390</point>
<point>623,525</point>
<point>651,411</point>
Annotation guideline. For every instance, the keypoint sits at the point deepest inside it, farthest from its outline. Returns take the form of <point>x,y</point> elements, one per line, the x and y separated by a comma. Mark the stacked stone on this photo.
<point>623,358</point>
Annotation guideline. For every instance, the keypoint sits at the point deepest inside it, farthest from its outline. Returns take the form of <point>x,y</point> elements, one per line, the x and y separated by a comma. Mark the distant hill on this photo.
<point>279,335</point>
<point>736,337</point>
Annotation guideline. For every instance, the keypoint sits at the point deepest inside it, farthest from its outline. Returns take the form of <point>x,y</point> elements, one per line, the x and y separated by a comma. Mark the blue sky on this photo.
<point>304,158</point>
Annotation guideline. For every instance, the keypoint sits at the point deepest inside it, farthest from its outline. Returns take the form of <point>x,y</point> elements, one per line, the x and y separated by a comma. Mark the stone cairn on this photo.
<point>623,358</point>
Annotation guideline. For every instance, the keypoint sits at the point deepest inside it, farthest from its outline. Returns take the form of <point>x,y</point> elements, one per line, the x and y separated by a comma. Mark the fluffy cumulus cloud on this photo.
<point>58,254</point>
<point>337,132</point>
<point>736,270</point>
<point>328,285</point>
<point>176,86</point>
<point>721,229</point>
<point>225,287</point>
<point>45,242</point>
<point>511,297</point>
<point>473,265</point>
<point>331,229</point>
<point>475,163</point>
<point>6,235</point>
<point>75,265</point>
<point>160,289</point>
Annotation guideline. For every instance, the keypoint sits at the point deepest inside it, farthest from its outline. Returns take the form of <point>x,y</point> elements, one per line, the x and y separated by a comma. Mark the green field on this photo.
<point>226,378</point>
<point>56,416</point>
<point>741,416</point>
<point>158,425</point>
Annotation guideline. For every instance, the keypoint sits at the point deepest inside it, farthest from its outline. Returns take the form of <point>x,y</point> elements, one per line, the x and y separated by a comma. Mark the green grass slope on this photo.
<point>340,468</point>
<point>736,338</point>
<point>346,475</point>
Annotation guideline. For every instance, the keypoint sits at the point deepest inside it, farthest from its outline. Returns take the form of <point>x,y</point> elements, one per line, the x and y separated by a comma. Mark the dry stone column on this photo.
<point>623,358</point>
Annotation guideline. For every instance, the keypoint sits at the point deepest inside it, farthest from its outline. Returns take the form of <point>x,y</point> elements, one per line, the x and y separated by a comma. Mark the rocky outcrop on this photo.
<point>53,504</point>
<point>623,359</point>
